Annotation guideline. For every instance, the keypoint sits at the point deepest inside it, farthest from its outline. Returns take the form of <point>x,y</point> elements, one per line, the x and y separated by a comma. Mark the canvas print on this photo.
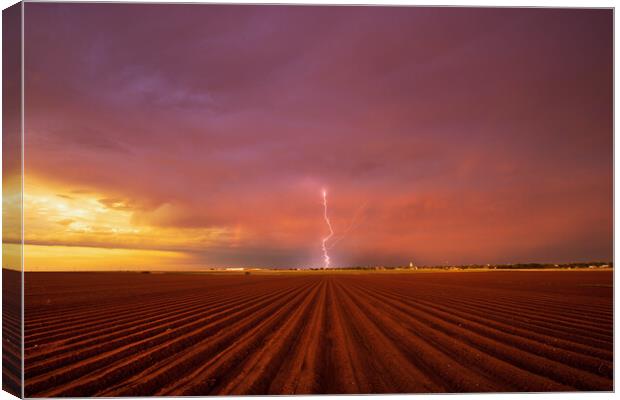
<point>221,199</point>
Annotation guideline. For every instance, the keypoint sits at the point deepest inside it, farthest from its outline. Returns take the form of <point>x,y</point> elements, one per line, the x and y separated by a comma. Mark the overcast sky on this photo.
<point>442,135</point>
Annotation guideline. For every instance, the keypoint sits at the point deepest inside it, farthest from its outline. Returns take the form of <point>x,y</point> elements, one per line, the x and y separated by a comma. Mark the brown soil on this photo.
<point>11,331</point>
<point>120,334</point>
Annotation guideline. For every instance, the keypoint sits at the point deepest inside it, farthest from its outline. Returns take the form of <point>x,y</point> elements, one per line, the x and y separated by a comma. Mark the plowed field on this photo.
<point>119,334</point>
<point>11,331</point>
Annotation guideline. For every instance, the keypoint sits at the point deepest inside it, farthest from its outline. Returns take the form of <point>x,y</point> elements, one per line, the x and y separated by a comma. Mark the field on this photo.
<point>11,331</point>
<point>119,334</point>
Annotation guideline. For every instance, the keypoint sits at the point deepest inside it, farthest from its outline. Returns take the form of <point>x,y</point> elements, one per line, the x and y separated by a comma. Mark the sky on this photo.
<point>194,136</point>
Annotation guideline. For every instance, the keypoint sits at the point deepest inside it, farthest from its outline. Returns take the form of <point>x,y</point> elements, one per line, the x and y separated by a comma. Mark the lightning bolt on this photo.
<point>331,231</point>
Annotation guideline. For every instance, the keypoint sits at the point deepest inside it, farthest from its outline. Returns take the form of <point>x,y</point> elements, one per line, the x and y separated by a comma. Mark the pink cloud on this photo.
<point>481,135</point>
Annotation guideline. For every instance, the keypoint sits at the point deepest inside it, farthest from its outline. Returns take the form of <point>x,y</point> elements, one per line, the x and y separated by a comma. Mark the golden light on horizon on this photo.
<point>74,258</point>
<point>79,229</point>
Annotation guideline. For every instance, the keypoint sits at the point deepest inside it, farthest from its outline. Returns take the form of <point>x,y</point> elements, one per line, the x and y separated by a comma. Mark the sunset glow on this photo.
<point>470,135</point>
<point>80,229</point>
